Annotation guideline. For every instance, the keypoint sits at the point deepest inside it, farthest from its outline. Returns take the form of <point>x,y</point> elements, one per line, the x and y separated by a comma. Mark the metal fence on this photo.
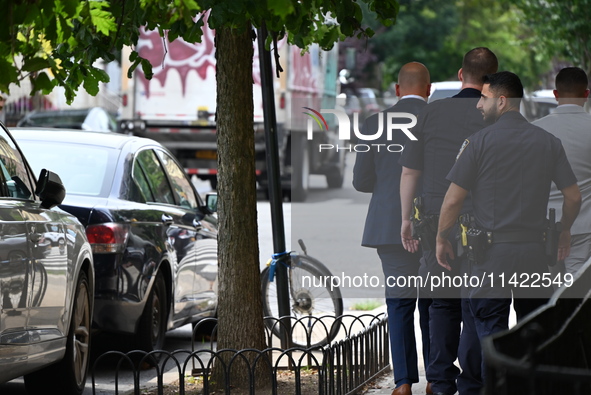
<point>358,353</point>
<point>549,352</point>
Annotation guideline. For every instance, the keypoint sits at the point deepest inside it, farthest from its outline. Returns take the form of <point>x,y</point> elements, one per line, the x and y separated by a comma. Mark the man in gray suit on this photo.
<point>378,172</point>
<point>572,125</point>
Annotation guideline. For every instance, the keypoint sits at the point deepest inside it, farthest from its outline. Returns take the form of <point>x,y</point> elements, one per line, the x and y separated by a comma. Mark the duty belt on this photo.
<point>518,236</point>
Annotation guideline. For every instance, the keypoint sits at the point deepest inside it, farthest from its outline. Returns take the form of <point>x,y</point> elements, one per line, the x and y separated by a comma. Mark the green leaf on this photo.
<point>133,66</point>
<point>69,7</point>
<point>331,36</point>
<point>282,8</point>
<point>99,74</point>
<point>35,64</point>
<point>42,83</point>
<point>102,20</point>
<point>8,74</point>
<point>91,84</point>
<point>195,32</point>
<point>147,68</point>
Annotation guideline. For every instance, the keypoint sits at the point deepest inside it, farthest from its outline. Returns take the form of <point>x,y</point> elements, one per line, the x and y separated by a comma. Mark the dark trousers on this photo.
<point>487,309</point>
<point>445,318</point>
<point>469,354</point>
<point>401,303</point>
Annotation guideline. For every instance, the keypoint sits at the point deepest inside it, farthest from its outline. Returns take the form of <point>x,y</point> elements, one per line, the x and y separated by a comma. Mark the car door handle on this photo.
<point>166,220</point>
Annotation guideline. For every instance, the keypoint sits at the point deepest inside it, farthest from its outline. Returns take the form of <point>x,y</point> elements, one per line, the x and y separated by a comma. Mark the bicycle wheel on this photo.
<point>315,306</point>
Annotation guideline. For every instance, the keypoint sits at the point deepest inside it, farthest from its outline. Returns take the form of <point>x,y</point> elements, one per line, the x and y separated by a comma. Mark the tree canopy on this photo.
<point>67,37</point>
<point>561,27</point>
<point>528,36</point>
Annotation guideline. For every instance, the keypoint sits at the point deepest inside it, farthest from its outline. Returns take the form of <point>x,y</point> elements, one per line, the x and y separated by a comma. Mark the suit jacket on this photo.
<point>378,173</point>
<point>572,125</point>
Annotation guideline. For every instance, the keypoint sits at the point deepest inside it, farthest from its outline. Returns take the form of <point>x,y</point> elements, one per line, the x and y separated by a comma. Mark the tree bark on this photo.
<point>240,323</point>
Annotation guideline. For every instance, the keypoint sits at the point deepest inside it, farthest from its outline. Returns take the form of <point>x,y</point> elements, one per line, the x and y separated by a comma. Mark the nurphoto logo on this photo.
<point>387,121</point>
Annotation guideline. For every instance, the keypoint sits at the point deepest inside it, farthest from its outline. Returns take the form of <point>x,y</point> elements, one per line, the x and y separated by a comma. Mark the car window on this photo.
<point>155,177</point>
<point>141,191</point>
<point>180,184</point>
<point>16,182</point>
<point>55,119</point>
<point>83,168</point>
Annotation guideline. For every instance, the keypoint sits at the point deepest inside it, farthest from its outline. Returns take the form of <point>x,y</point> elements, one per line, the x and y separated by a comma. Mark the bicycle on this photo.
<point>316,306</point>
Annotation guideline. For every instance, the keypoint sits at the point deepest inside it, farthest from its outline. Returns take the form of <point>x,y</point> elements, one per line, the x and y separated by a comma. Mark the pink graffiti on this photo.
<point>184,57</point>
<point>181,56</point>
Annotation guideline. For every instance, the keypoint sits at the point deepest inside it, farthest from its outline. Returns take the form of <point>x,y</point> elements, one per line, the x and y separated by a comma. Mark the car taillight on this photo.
<point>107,238</point>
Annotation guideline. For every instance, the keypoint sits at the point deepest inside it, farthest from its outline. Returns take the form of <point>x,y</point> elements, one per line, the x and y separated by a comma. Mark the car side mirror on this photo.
<point>50,189</point>
<point>211,202</point>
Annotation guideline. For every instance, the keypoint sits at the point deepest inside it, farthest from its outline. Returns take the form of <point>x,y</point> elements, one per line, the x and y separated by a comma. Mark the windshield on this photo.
<point>84,169</point>
<point>56,120</point>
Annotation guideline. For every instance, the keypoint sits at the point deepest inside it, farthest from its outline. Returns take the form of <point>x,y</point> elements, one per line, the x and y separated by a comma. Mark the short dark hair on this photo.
<point>573,81</point>
<point>505,83</point>
<point>479,62</point>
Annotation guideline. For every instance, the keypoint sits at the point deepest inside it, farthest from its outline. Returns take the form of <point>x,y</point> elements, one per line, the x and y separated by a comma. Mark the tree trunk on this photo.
<point>240,323</point>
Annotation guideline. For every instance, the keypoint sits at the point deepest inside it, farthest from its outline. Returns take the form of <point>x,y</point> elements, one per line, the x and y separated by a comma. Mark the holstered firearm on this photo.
<point>462,236</point>
<point>551,237</point>
<point>477,245</point>
<point>424,228</point>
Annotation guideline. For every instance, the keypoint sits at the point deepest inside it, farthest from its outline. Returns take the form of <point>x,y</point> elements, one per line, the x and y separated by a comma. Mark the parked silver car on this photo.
<point>46,281</point>
<point>94,118</point>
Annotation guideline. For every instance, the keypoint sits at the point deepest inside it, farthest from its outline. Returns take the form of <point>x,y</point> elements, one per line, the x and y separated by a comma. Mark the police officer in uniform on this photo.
<point>378,173</point>
<point>441,128</point>
<point>508,167</point>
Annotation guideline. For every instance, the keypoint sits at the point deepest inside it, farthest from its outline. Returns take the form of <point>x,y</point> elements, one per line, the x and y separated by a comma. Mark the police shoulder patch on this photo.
<point>466,142</point>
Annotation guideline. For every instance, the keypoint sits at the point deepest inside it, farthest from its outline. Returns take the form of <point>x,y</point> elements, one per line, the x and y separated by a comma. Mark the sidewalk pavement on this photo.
<point>384,385</point>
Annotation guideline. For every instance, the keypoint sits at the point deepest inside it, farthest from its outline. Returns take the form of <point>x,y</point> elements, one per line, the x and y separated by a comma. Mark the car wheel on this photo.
<point>300,167</point>
<point>71,371</point>
<point>336,174</point>
<point>152,325</point>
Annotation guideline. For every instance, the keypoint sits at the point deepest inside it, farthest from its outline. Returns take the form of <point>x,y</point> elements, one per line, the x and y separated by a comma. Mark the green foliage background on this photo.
<point>528,36</point>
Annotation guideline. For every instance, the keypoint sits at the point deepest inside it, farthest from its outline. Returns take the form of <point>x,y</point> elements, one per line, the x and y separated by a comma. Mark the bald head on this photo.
<point>413,79</point>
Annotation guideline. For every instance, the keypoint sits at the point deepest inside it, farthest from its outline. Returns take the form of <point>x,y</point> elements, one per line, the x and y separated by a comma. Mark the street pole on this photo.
<point>275,193</point>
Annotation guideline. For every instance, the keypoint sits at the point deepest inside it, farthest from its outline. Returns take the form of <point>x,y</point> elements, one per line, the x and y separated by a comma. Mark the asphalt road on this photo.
<point>331,224</point>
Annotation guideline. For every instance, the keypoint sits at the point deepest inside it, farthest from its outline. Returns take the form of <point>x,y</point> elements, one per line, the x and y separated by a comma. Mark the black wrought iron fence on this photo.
<point>549,353</point>
<point>358,353</point>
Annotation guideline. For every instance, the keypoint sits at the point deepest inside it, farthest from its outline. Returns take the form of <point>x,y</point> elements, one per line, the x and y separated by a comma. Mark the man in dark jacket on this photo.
<point>377,171</point>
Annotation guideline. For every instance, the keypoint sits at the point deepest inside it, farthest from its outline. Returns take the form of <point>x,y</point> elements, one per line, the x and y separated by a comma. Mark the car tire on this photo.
<point>334,179</point>
<point>68,376</point>
<point>300,167</point>
<point>152,325</point>
<point>336,174</point>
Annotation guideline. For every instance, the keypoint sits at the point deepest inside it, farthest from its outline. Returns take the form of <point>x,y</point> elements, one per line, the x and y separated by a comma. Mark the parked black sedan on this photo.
<point>153,239</point>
